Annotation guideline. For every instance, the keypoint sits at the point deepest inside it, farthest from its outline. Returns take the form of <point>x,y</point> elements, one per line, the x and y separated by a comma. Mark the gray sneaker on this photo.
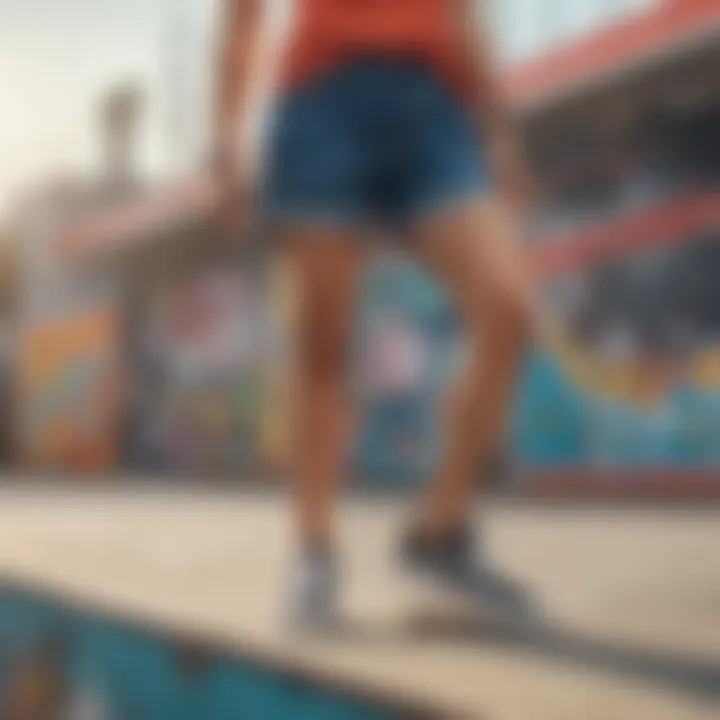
<point>456,563</point>
<point>313,592</point>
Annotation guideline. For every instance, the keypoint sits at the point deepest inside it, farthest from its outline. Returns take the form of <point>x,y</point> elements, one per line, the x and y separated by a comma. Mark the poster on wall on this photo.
<point>69,391</point>
<point>204,339</point>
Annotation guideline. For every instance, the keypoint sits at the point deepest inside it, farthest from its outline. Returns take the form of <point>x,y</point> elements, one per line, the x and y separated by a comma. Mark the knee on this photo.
<point>322,349</point>
<point>508,319</point>
<point>517,314</point>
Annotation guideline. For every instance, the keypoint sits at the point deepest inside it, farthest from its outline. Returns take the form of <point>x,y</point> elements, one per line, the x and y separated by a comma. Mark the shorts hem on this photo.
<point>299,215</point>
<point>440,202</point>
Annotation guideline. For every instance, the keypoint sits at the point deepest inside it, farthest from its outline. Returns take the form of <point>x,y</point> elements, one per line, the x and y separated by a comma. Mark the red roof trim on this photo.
<point>675,221</point>
<point>673,24</point>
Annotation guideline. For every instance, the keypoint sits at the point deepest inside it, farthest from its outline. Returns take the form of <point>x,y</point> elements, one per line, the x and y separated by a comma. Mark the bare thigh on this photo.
<point>474,248</point>
<point>324,267</point>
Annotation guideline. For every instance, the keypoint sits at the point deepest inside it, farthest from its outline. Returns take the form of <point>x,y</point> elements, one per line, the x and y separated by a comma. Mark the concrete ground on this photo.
<point>632,595</point>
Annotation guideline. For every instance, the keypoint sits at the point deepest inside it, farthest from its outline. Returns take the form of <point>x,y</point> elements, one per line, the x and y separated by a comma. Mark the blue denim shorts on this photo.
<point>376,141</point>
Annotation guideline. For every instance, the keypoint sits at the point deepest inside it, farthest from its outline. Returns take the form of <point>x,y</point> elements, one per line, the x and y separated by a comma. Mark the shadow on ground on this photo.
<point>695,676</point>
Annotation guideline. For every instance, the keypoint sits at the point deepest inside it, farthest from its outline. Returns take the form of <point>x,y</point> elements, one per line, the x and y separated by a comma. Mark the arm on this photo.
<point>495,122</point>
<point>239,42</point>
<point>477,50</point>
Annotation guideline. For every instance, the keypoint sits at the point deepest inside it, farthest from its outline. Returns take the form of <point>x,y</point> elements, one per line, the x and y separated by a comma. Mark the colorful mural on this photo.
<point>638,393</point>
<point>204,395</point>
<point>583,411</point>
<point>69,390</point>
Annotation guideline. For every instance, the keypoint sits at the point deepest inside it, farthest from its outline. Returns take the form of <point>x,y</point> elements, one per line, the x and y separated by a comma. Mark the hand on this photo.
<point>232,177</point>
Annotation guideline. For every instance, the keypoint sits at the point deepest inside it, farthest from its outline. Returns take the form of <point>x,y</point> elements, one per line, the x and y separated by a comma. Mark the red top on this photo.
<point>327,31</point>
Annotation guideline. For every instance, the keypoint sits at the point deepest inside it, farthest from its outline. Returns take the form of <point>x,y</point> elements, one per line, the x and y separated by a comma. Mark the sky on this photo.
<point>58,56</point>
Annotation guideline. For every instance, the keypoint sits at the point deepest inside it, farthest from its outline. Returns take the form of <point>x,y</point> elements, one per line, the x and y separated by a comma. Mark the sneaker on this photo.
<point>313,592</point>
<point>461,565</point>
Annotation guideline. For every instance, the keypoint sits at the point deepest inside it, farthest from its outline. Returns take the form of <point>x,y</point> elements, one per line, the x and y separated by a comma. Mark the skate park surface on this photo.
<point>631,596</point>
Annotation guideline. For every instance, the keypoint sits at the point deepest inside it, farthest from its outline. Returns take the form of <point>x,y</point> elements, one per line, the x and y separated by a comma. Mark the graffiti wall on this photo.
<point>619,417</point>
<point>405,345</point>
<point>629,382</point>
<point>201,372</point>
<point>69,390</point>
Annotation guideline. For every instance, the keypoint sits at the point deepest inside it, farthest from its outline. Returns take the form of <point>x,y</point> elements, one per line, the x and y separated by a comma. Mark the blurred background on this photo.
<point>131,341</point>
<point>135,342</point>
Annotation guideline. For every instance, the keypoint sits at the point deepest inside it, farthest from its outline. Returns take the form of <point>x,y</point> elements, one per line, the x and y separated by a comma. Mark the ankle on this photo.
<point>320,544</point>
<point>439,531</point>
<point>440,524</point>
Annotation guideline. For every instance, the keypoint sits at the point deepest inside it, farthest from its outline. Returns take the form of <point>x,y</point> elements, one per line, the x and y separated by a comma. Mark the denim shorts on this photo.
<point>376,141</point>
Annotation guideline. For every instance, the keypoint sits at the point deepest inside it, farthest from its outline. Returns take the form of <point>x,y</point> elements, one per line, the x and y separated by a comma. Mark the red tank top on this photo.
<point>328,31</point>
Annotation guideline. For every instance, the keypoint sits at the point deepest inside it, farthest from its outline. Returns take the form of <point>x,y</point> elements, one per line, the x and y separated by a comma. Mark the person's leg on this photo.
<point>325,264</point>
<point>470,241</point>
<point>324,267</point>
<point>473,247</point>
<point>318,173</point>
